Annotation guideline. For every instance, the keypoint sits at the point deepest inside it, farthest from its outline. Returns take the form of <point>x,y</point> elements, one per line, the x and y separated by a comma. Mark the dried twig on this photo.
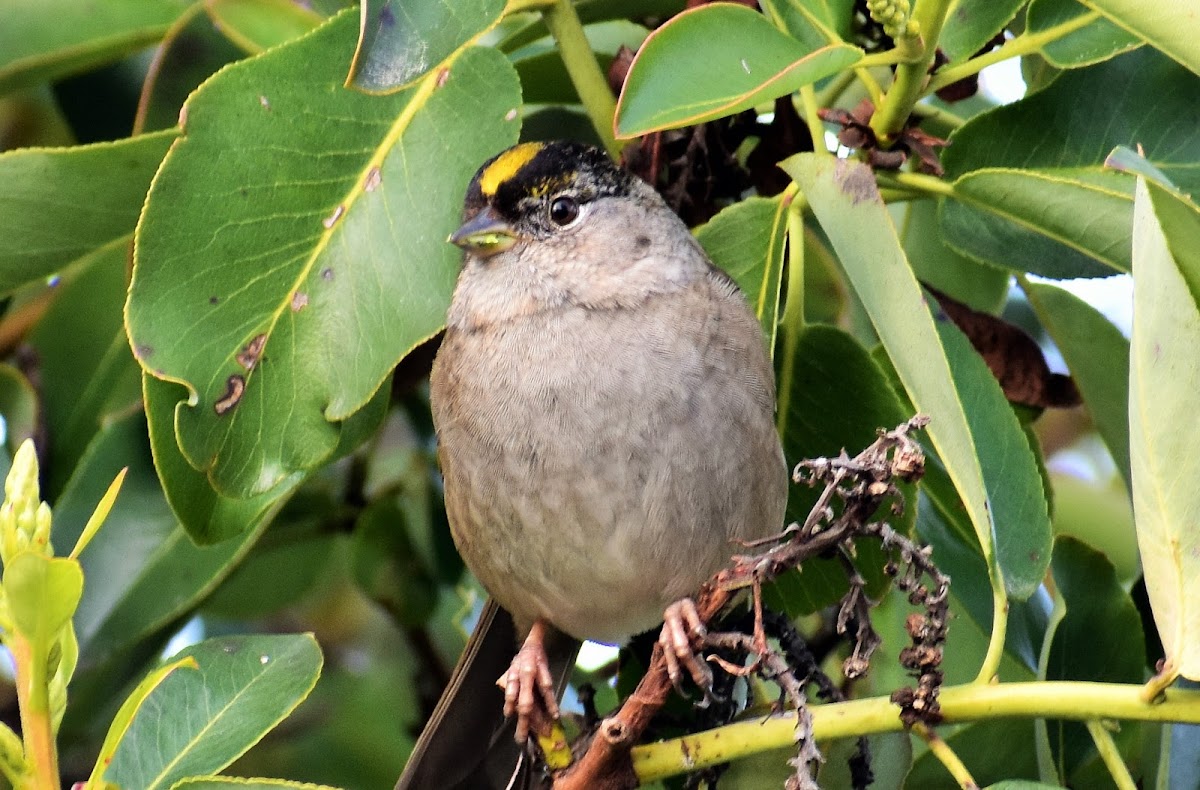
<point>861,484</point>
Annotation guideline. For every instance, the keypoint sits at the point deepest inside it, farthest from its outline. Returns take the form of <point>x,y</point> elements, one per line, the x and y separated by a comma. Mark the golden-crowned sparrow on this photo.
<point>604,407</point>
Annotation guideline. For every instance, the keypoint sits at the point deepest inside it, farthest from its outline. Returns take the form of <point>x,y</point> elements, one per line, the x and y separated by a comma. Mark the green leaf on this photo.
<point>1163,369</point>
<point>401,40</point>
<point>199,722</point>
<point>1160,24</point>
<point>713,61</point>
<point>41,594</point>
<point>207,516</point>
<point>846,201</point>
<point>1016,498</point>
<point>59,205</point>
<point>87,371</point>
<point>191,52</point>
<point>128,710</point>
<point>243,783</point>
<point>1096,635</point>
<point>746,240</point>
<point>1097,354</point>
<point>981,287</point>
<point>44,40</point>
<point>832,396</point>
<point>973,23</point>
<point>1097,41</point>
<point>942,524</point>
<point>813,23</point>
<point>340,204</point>
<point>1049,225</point>
<point>142,570</point>
<point>255,25</point>
<point>1023,170</point>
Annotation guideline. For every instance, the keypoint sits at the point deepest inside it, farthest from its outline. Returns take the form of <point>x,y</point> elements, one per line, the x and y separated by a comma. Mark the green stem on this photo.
<point>792,324</point>
<point>918,182</point>
<point>972,702</point>
<point>1024,44</point>
<point>946,756</point>
<point>33,701</point>
<point>990,669</point>
<point>1110,755</point>
<point>911,74</point>
<point>589,81</point>
<point>816,129</point>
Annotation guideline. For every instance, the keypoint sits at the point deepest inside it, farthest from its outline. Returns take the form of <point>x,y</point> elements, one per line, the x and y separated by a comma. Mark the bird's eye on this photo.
<point>563,210</point>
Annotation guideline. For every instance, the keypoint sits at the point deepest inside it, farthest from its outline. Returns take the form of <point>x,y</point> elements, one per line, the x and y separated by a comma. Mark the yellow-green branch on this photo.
<point>972,702</point>
<point>1024,44</point>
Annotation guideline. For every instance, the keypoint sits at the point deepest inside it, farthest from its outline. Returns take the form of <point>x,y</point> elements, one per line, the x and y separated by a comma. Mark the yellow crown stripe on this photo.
<point>506,166</point>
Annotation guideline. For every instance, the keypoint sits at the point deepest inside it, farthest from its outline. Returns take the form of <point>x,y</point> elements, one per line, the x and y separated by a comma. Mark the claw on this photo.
<point>528,683</point>
<point>682,628</point>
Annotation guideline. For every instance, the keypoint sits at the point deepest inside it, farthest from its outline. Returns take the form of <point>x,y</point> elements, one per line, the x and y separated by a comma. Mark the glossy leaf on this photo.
<point>128,710</point>
<point>942,524</point>
<point>979,286</point>
<point>1010,472</point>
<point>1096,635</point>
<point>972,23</point>
<point>1048,225</point>
<point>814,23</point>
<point>1034,195</point>
<point>1163,370</point>
<point>44,40</point>
<point>832,396</point>
<point>255,25</point>
<point>307,240</point>
<point>1159,24</point>
<point>206,516</point>
<point>400,40</point>
<point>845,199</point>
<point>713,61</point>
<point>1097,354</point>
<point>1090,44</point>
<point>198,722</point>
<point>51,212</point>
<point>143,571</point>
<point>746,240</point>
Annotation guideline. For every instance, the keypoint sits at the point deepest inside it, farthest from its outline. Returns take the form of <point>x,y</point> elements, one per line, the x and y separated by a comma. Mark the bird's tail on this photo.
<point>467,744</point>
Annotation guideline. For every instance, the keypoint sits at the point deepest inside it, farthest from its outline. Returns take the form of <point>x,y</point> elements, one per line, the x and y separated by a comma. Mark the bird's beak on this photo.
<point>485,234</point>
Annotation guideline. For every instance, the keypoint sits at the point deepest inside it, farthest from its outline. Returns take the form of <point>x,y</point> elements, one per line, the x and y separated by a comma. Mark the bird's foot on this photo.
<point>529,683</point>
<point>682,628</point>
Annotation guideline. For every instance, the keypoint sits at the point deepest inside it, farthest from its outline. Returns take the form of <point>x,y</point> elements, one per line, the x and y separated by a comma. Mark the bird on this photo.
<point>604,405</point>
